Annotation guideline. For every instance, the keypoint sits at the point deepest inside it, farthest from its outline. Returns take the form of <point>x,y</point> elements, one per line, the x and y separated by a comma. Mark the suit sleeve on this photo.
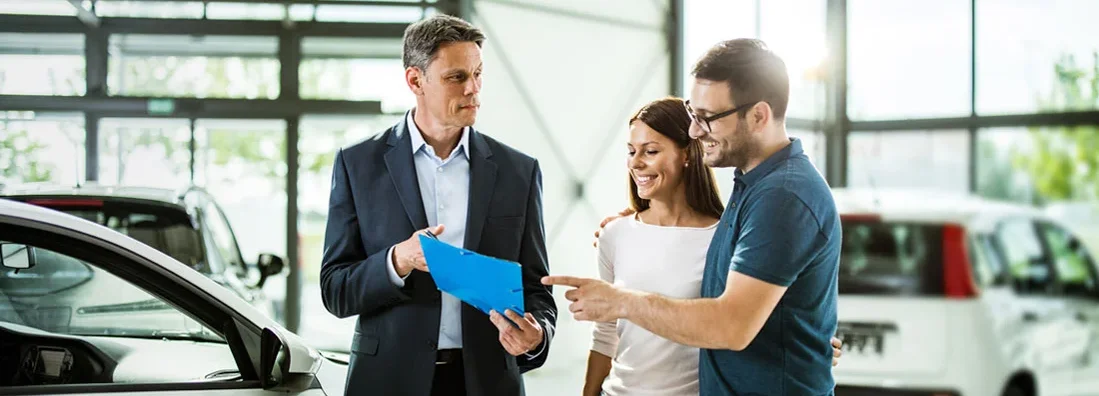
<point>532,255</point>
<point>352,281</point>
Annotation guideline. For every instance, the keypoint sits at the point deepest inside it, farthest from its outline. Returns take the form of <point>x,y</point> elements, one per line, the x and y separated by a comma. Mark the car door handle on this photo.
<point>1080,317</point>
<point>1029,316</point>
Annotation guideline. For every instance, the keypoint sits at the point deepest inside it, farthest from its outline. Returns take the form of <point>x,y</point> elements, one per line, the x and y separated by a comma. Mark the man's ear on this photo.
<point>415,80</point>
<point>759,115</point>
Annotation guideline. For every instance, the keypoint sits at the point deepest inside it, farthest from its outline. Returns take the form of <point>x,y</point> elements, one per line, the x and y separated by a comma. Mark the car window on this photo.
<point>219,232</point>
<point>890,258</point>
<point>1020,249</point>
<point>1075,269</point>
<point>167,230</point>
<point>65,295</point>
<point>988,267</point>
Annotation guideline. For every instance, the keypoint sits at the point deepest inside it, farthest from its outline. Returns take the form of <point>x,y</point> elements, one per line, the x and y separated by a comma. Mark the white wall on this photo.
<point>584,78</point>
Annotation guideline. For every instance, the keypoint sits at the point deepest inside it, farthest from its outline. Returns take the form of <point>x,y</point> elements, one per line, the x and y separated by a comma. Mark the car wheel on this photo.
<point>1015,390</point>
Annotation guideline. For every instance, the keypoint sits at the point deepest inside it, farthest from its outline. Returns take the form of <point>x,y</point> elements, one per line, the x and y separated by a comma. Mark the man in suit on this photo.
<point>434,170</point>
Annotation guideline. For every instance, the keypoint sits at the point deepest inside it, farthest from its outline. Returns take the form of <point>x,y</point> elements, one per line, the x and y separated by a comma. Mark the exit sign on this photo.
<point>160,106</point>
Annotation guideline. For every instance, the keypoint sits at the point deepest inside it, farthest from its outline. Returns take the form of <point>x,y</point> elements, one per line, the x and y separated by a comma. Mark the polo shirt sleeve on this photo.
<point>778,238</point>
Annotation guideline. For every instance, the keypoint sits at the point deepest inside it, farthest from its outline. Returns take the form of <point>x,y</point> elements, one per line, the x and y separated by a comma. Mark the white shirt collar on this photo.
<point>418,141</point>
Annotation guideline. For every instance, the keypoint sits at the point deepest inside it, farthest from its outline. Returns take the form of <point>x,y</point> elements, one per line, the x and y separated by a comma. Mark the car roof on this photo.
<point>153,194</point>
<point>927,206</point>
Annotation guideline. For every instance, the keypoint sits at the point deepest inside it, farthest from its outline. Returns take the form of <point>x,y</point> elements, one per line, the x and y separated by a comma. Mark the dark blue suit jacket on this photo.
<point>375,203</point>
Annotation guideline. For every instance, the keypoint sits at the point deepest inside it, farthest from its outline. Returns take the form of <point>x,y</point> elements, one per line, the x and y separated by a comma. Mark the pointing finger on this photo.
<point>565,280</point>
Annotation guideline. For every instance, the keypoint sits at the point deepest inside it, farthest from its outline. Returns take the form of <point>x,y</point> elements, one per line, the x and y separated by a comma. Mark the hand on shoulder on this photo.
<point>608,219</point>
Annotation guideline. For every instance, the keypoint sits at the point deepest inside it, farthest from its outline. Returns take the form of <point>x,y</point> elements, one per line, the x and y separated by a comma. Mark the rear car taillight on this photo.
<point>958,279</point>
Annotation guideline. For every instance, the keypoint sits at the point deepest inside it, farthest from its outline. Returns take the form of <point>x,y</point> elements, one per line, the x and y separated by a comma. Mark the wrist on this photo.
<point>400,269</point>
<point>630,300</point>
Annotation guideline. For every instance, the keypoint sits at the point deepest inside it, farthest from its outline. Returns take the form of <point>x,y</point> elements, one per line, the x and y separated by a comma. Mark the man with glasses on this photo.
<point>768,304</point>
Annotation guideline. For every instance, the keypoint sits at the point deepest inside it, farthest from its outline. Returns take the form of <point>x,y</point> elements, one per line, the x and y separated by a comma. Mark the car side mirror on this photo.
<point>17,256</point>
<point>274,358</point>
<point>269,265</point>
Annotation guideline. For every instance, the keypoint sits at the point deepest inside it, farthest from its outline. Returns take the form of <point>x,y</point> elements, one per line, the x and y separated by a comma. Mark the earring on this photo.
<point>686,164</point>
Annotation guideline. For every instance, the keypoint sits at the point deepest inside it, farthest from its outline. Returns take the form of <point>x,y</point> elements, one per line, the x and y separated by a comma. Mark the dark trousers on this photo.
<point>449,375</point>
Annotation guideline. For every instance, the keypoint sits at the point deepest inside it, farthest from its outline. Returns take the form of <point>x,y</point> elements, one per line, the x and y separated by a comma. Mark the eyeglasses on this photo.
<point>704,122</point>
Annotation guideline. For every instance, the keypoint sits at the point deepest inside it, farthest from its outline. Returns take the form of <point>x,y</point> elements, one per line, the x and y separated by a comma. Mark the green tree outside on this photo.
<point>1063,163</point>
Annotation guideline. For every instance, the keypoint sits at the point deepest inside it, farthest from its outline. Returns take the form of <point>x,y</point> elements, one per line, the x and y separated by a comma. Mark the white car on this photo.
<point>87,310</point>
<point>956,295</point>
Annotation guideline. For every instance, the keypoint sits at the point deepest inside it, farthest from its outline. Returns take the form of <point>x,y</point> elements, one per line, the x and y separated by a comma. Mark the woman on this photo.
<point>661,248</point>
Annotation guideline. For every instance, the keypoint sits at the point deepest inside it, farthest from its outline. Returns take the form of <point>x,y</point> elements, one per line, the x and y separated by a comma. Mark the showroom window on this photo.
<point>899,66</point>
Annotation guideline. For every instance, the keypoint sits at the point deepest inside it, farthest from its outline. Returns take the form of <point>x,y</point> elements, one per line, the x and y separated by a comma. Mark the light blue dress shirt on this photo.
<point>444,188</point>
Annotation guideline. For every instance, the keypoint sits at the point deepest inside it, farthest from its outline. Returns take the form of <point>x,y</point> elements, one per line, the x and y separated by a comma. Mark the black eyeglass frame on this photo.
<point>704,122</point>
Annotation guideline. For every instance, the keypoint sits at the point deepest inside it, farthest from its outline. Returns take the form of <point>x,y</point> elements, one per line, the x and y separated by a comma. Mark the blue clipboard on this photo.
<point>486,283</point>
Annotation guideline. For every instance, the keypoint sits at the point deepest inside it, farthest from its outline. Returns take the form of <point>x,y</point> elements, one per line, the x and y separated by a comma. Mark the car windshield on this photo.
<point>168,230</point>
<point>53,292</point>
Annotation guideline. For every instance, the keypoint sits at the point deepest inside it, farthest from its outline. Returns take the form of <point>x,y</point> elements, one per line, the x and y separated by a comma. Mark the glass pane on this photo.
<point>242,163</point>
<point>706,22</point>
<point>357,79</point>
<point>149,9</point>
<point>799,38</point>
<point>891,72</point>
<point>42,75</point>
<point>326,135</point>
<point>21,7</point>
<point>301,12</point>
<point>1039,164</point>
<point>355,13</point>
<point>241,11</point>
<point>1045,64</point>
<point>200,77</point>
<point>41,148</point>
<point>937,160</point>
<point>185,66</point>
<point>149,152</point>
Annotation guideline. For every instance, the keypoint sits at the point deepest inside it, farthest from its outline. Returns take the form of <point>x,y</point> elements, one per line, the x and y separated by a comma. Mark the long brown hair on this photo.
<point>668,116</point>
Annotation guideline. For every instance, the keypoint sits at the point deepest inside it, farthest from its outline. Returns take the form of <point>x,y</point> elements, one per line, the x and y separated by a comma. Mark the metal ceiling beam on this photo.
<point>111,25</point>
<point>124,106</point>
<point>85,15</point>
<point>1071,118</point>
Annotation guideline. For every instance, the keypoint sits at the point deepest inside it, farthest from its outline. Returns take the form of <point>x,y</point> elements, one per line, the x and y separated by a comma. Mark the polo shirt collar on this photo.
<point>769,165</point>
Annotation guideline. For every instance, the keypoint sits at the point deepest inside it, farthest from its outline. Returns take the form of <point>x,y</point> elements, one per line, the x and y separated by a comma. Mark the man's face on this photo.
<point>728,143</point>
<point>451,83</point>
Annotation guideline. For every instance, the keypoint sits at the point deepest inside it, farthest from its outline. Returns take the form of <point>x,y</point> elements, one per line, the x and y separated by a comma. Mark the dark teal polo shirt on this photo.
<point>780,226</point>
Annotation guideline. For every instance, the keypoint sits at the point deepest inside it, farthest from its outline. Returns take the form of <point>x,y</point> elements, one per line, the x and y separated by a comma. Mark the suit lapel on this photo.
<point>482,180</point>
<point>402,169</point>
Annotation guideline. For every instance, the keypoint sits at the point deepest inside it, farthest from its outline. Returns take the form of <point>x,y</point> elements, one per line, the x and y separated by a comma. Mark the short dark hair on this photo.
<point>422,39</point>
<point>753,72</point>
<point>668,117</point>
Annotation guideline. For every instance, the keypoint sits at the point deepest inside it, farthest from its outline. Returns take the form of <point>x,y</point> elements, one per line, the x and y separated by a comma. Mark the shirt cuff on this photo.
<point>540,350</point>
<point>392,269</point>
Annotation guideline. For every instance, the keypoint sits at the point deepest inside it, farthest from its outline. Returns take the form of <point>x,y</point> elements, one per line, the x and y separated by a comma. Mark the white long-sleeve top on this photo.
<point>655,259</point>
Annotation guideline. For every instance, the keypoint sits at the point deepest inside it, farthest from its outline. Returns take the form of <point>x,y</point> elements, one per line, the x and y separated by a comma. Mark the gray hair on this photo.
<point>422,39</point>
